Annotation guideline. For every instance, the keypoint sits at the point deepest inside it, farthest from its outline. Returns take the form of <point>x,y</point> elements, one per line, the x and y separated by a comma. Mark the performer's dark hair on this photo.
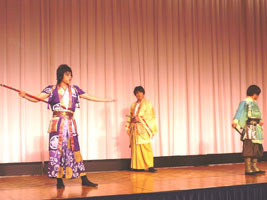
<point>139,89</point>
<point>253,89</point>
<point>60,72</point>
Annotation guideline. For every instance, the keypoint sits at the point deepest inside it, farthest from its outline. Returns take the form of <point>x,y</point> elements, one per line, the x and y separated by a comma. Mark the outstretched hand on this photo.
<point>22,93</point>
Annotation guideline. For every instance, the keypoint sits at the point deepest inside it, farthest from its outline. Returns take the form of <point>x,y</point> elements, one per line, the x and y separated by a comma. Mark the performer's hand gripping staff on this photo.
<point>25,95</point>
<point>239,130</point>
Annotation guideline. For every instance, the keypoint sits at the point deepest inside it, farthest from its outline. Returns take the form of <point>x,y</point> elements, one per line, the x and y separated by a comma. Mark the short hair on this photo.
<point>139,89</point>
<point>253,89</point>
<point>60,72</point>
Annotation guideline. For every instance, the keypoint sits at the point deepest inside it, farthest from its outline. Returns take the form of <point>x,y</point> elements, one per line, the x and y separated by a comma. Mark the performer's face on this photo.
<point>139,95</point>
<point>255,97</point>
<point>67,78</point>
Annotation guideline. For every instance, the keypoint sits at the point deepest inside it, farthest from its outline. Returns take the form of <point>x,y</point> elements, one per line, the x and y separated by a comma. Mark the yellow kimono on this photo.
<point>141,133</point>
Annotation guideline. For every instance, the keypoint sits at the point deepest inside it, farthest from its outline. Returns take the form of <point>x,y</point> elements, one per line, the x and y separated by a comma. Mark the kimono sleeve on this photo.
<point>241,114</point>
<point>79,90</point>
<point>240,110</point>
<point>48,89</point>
<point>149,120</point>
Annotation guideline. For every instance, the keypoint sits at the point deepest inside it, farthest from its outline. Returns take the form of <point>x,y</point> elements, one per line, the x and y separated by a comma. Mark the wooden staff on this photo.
<point>34,97</point>
<point>240,133</point>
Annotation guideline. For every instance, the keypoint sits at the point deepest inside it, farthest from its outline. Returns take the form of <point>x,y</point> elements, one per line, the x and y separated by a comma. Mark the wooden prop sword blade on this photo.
<point>29,95</point>
<point>238,131</point>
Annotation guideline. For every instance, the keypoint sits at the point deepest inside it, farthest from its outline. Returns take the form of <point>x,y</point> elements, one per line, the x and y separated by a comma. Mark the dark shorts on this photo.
<point>251,149</point>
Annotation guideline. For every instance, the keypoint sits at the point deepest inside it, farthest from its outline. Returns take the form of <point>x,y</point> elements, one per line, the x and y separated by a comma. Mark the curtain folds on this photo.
<point>195,59</point>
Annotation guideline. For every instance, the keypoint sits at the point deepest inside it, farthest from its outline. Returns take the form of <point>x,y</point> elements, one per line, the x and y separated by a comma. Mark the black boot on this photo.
<point>60,184</point>
<point>86,182</point>
<point>152,169</point>
<point>255,167</point>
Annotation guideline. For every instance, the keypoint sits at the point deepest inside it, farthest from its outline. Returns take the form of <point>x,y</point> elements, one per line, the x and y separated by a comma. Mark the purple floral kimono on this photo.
<point>65,160</point>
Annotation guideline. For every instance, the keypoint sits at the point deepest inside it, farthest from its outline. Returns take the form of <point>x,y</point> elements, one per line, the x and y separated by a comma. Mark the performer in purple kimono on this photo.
<point>64,150</point>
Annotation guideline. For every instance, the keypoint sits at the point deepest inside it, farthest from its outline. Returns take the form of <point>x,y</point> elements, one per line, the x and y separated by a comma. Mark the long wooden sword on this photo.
<point>29,95</point>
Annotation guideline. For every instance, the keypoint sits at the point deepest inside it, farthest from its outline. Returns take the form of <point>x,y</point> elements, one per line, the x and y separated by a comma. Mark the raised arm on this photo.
<point>40,96</point>
<point>94,98</point>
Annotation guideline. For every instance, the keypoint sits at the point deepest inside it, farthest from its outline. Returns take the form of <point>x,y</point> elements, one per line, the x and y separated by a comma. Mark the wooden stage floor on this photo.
<point>126,182</point>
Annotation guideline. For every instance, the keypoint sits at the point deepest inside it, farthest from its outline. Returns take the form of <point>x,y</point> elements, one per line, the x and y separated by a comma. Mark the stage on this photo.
<point>202,182</point>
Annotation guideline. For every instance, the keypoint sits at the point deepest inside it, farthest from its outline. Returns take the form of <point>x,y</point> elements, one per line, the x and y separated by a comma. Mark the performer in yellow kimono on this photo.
<point>141,127</point>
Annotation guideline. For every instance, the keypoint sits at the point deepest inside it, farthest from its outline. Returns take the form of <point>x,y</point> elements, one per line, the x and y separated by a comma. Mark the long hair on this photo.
<point>60,72</point>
